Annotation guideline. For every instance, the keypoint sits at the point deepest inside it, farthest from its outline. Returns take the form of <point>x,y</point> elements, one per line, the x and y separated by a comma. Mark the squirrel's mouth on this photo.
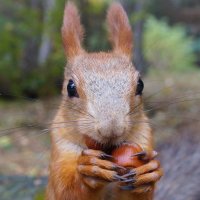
<point>106,145</point>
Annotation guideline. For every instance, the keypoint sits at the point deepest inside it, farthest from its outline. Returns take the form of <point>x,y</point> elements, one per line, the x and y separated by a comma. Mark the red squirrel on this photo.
<point>102,100</point>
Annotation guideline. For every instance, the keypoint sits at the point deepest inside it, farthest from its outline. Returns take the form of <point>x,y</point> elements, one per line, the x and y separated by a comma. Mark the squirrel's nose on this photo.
<point>111,129</point>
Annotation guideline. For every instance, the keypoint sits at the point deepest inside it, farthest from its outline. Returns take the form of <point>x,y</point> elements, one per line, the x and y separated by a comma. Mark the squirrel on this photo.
<point>101,100</point>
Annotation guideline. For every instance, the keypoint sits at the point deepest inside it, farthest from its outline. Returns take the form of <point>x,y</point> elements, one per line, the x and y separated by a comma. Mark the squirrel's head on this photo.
<point>101,90</point>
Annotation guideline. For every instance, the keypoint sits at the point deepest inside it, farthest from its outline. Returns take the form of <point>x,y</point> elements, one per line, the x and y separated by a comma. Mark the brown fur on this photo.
<point>120,30</point>
<point>106,84</point>
<point>72,31</point>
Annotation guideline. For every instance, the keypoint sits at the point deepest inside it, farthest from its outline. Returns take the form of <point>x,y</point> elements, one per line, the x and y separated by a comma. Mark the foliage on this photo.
<point>93,14</point>
<point>19,29</point>
<point>40,195</point>
<point>22,27</point>
<point>15,26</point>
<point>167,47</point>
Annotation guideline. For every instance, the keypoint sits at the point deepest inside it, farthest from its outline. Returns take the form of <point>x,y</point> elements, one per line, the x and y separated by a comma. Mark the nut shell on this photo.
<point>123,155</point>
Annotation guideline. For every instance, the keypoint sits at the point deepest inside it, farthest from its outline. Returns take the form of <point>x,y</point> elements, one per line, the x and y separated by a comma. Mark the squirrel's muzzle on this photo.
<point>111,127</point>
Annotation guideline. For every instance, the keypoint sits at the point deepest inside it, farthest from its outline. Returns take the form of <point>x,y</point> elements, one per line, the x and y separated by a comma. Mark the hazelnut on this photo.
<point>123,155</point>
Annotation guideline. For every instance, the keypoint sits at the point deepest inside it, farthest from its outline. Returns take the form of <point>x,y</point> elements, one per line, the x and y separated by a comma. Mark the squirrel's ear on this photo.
<point>72,31</point>
<point>120,30</point>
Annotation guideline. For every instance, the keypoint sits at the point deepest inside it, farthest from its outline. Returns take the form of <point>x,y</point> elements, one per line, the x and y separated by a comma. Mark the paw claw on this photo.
<point>119,167</point>
<point>154,154</point>
<point>131,173</point>
<point>132,180</point>
<point>146,156</point>
<point>118,178</point>
<point>105,156</point>
<point>139,154</point>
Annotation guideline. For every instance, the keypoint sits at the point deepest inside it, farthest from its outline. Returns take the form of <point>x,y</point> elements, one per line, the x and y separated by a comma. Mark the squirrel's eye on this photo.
<point>140,87</point>
<point>71,89</point>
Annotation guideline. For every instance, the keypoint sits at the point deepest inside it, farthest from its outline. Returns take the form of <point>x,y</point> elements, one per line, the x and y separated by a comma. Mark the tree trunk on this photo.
<point>136,8</point>
<point>139,59</point>
<point>45,46</point>
<point>30,52</point>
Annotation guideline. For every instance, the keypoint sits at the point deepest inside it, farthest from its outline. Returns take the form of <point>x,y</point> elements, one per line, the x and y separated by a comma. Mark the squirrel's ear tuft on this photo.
<point>119,30</point>
<point>72,31</point>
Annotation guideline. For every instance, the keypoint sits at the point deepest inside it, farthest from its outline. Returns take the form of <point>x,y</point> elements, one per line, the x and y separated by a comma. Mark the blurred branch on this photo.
<point>45,46</point>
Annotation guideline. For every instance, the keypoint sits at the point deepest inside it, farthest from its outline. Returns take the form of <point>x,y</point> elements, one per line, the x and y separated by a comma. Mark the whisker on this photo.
<point>175,98</point>
<point>69,123</point>
<point>79,109</point>
<point>146,98</point>
<point>135,123</point>
<point>167,103</point>
<point>157,92</point>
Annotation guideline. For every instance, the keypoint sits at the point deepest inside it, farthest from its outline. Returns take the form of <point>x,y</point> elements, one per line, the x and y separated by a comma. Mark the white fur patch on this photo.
<point>68,146</point>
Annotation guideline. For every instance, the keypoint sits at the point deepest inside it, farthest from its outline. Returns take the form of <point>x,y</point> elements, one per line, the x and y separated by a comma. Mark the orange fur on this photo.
<point>72,31</point>
<point>120,30</point>
<point>65,183</point>
<point>106,84</point>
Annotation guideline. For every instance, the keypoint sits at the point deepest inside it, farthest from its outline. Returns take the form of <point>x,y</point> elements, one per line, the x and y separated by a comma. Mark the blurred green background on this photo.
<point>31,53</point>
<point>166,52</point>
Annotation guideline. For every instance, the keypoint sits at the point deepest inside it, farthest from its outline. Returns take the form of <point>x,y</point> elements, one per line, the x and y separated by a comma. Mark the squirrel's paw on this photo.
<point>96,171</point>
<point>143,178</point>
